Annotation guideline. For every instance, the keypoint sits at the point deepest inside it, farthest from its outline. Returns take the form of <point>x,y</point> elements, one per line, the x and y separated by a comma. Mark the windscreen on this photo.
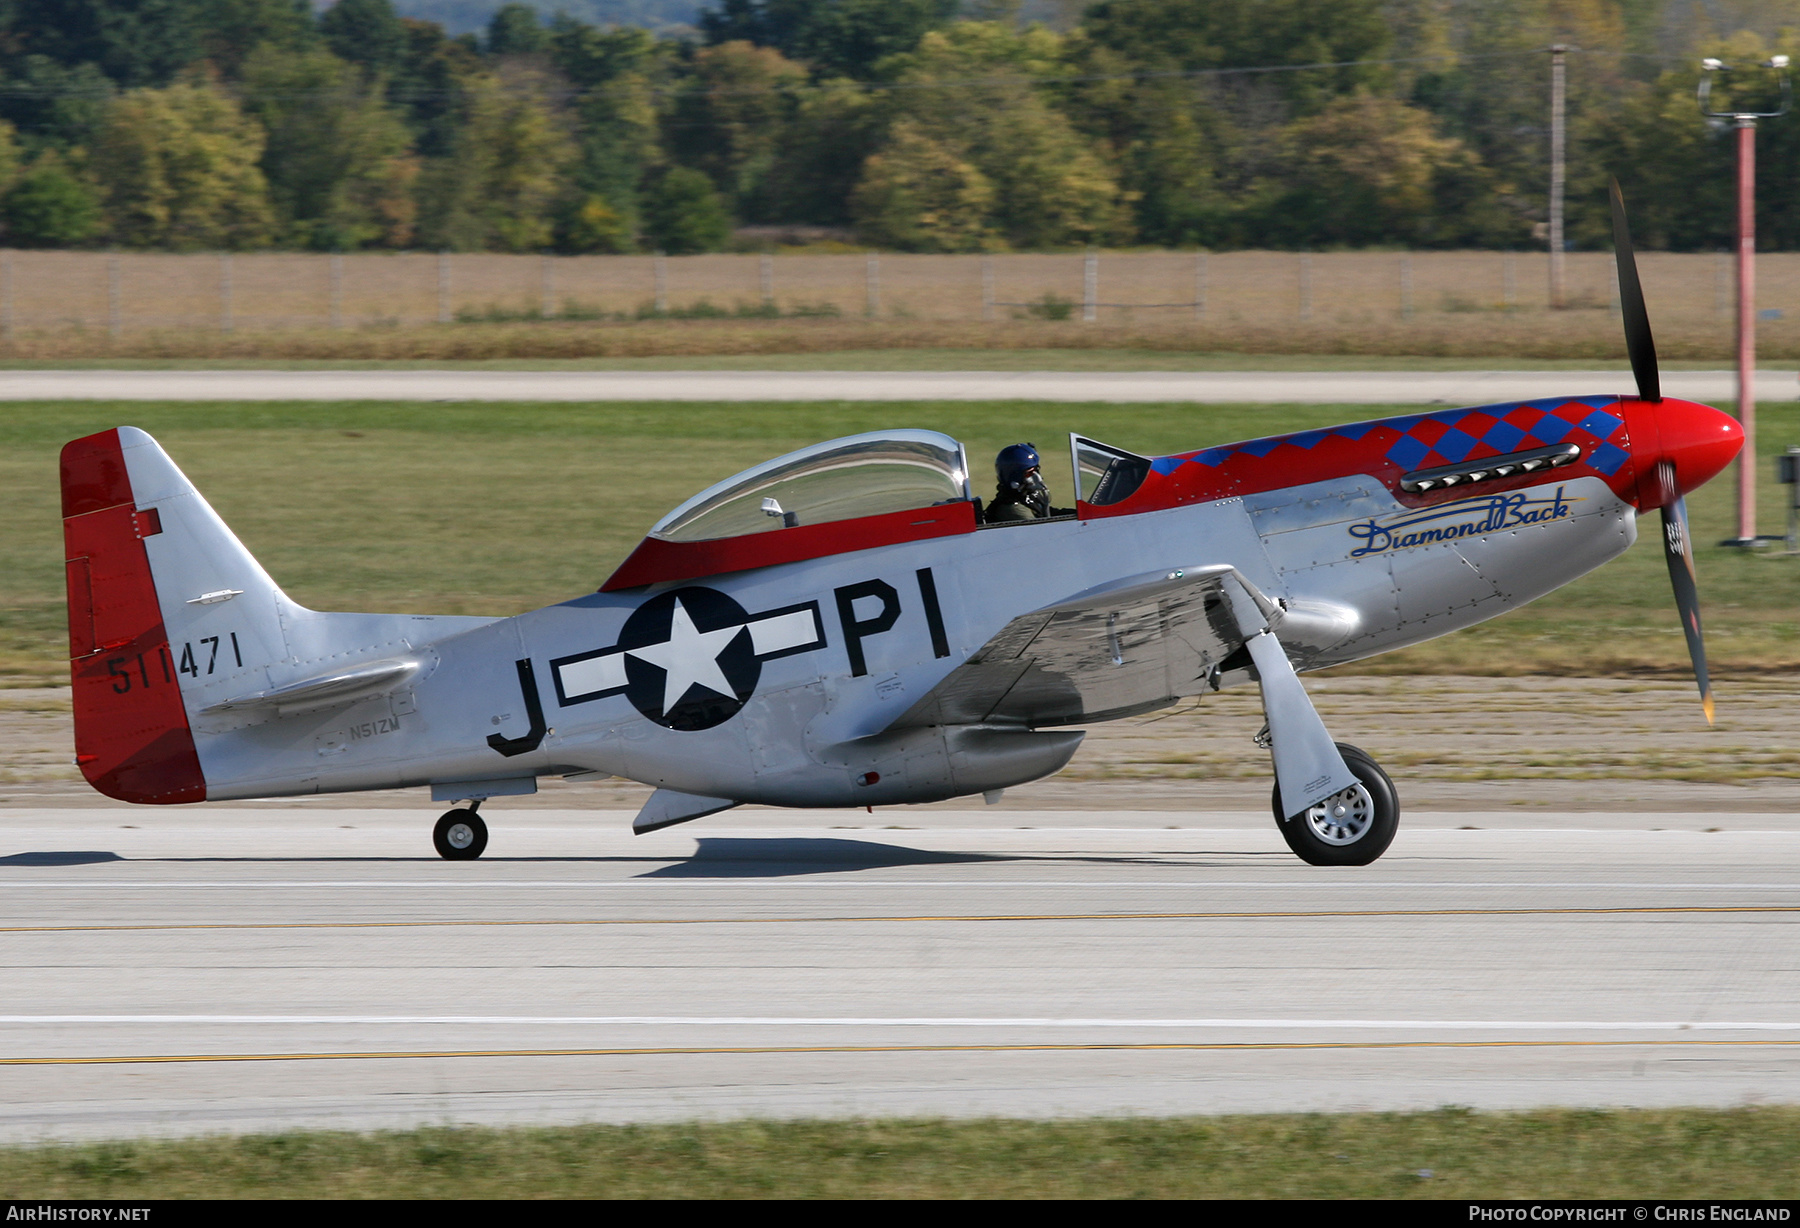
<point>1105,474</point>
<point>863,475</point>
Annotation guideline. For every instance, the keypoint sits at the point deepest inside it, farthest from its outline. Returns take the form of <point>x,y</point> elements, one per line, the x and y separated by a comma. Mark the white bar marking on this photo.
<point>794,629</point>
<point>605,673</point>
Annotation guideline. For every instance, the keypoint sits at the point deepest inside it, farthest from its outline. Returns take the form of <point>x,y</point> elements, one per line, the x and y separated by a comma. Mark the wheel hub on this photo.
<point>460,835</point>
<point>1343,818</point>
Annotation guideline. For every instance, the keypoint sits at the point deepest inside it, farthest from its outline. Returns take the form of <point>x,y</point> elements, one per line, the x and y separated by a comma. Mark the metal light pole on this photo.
<point>1745,123</point>
<point>1558,106</point>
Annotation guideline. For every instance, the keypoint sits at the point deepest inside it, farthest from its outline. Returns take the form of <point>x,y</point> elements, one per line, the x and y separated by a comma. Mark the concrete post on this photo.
<point>225,321</point>
<point>115,316</point>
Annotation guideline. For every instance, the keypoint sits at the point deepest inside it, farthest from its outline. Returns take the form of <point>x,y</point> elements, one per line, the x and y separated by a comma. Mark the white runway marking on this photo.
<point>795,1021</point>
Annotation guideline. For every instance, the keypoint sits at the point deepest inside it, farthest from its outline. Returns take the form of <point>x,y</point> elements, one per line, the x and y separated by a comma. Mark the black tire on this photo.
<point>460,835</point>
<point>1310,837</point>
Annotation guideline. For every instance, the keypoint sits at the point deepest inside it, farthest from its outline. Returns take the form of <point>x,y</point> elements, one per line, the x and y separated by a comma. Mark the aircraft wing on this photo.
<point>1131,646</point>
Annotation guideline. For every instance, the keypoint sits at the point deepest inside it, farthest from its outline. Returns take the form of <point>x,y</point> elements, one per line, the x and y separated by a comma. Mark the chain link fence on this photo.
<point>118,293</point>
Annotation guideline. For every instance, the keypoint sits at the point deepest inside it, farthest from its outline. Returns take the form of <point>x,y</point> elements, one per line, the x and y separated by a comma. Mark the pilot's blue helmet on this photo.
<point>1013,463</point>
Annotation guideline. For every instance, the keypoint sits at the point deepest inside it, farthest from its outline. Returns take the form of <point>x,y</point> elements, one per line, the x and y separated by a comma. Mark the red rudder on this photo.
<point>132,739</point>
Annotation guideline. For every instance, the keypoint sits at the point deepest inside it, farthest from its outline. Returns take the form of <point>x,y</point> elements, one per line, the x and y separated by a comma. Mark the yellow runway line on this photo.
<point>753,1050</point>
<point>1371,913</point>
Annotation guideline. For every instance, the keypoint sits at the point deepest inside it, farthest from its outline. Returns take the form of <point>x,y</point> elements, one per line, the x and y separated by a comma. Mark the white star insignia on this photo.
<point>689,657</point>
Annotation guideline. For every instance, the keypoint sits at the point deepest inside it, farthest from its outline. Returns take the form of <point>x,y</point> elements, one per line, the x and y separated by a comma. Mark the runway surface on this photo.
<point>1346,387</point>
<point>205,970</point>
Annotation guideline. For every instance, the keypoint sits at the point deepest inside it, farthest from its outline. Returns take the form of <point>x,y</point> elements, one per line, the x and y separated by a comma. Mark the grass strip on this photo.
<point>1448,1153</point>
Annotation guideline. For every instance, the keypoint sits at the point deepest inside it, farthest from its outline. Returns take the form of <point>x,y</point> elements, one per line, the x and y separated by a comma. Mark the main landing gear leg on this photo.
<point>1343,810</point>
<point>460,835</point>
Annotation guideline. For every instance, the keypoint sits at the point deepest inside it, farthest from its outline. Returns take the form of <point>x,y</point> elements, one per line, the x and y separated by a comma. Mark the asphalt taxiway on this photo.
<point>1334,387</point>
<point>220,969</point>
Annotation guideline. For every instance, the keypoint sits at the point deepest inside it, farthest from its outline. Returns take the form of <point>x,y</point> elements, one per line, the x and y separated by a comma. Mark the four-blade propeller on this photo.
<point>1678,549</point>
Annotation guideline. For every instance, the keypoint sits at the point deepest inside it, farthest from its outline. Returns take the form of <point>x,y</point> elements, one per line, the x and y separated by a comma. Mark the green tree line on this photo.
<point>915,125</point>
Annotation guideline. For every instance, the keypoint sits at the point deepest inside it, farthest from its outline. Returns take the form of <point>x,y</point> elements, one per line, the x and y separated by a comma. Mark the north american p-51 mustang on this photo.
<point>843,626</point>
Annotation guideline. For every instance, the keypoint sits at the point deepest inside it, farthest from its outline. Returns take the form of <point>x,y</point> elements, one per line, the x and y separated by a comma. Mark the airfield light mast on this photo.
<point>1558,107</point>
<point>1745,123</point>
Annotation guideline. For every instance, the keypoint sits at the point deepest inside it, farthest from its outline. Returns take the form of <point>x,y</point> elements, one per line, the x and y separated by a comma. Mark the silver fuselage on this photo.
<point>1357,572</point>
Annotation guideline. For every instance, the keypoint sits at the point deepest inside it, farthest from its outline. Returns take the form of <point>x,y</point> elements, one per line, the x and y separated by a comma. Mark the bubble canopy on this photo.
<point>841,479</point>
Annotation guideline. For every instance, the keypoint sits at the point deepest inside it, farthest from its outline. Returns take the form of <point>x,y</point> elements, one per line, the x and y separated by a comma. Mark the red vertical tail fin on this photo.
<point>132,739</point>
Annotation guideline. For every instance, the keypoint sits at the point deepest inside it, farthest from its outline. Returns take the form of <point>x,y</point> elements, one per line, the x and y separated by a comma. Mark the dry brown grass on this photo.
<point>1566,337</point>
<point>78,305</point>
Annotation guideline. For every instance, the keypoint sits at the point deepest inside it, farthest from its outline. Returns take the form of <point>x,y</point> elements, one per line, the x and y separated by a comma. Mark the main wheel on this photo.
<point>460,835</point>
<point>1351,828</point>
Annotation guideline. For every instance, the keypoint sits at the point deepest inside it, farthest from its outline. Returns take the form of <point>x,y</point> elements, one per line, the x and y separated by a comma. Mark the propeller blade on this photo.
<point>1678,553</point>
<point>1677,539</point>
<point>1638,341</point>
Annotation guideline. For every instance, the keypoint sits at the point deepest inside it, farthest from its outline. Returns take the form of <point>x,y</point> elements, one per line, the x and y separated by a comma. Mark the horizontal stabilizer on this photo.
<point>339,686</point>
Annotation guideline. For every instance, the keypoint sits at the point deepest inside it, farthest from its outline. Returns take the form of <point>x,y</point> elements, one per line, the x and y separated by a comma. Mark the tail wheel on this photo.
<point>460,835</point>
<point>1351,828</point>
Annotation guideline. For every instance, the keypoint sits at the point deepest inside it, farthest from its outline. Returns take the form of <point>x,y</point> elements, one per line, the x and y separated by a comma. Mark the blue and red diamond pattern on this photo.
<point>1452,436</point>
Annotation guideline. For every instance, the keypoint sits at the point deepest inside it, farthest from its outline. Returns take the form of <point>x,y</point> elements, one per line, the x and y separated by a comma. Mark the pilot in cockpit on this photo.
<point>1020,493</point>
